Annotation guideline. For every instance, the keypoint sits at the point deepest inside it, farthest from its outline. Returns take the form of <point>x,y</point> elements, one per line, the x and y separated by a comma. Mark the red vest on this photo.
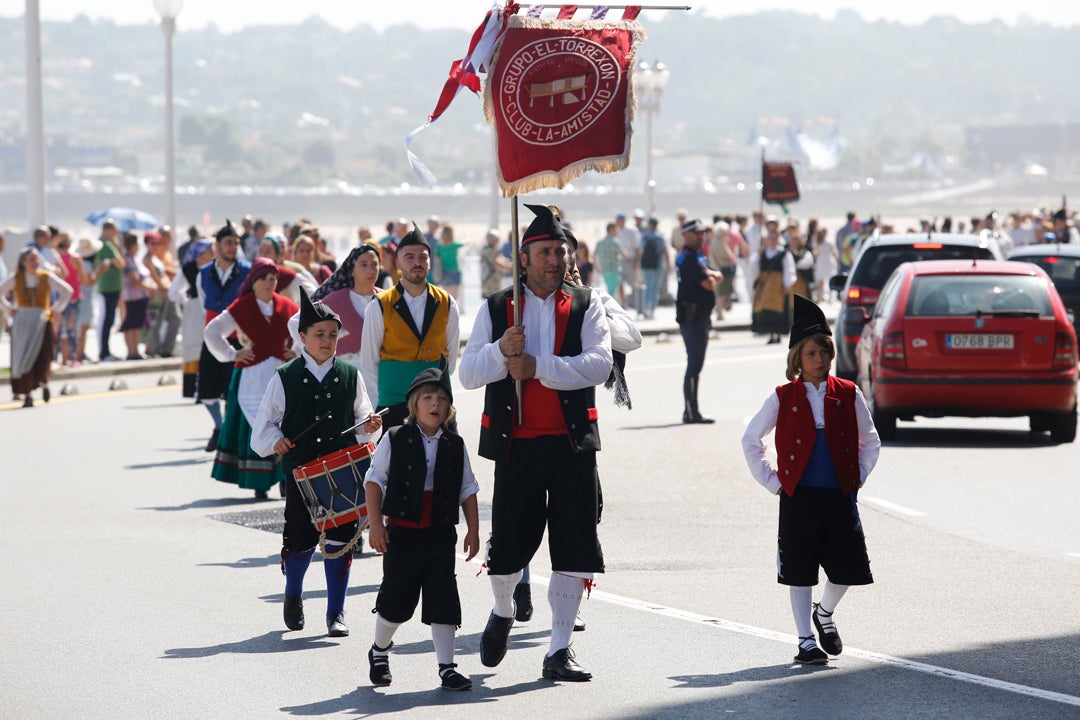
<point>543,414</point>
<point>269,336</point>
<point>796,432</point>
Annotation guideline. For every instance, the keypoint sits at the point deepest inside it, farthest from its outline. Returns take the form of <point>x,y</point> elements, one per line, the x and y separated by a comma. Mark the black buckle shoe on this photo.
<point>561,666</point>
<point>294,613</point>
<point>493,641</point>
<point>452,679</point>
<point>812,655</point>
<point>523,598</point>
<point>379,672</point>
<point>827,634</point>
<point>335,625</point>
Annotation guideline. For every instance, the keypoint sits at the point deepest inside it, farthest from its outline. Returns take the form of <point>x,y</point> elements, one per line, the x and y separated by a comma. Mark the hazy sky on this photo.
<point>231,15</point>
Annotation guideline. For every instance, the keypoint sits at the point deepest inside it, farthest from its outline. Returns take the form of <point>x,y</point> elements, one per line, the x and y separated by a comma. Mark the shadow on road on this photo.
<point>915,436</point>
<point>170,463</point>
<point>651,427</point>
<point>275,641</point>
<point>758,674</point>
<point>366,701</point>
<point>206,503</point>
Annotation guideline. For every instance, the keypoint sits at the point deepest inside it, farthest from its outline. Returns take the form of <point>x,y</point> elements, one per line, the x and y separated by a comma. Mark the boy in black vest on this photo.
<point>307,411</point>
<point>419,476</point>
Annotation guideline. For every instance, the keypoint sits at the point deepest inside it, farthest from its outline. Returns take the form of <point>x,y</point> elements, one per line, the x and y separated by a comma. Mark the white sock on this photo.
<point>831,596</point>
<point>443,637</point>
<point>384,634</point>
<point>564,596</point>
<point>502,586</point>
<point>801,602</point>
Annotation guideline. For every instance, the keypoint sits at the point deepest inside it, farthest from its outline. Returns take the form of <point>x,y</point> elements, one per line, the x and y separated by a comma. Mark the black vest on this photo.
<point>404,495</point>
<point>499,397</point>
<point>306,398</point>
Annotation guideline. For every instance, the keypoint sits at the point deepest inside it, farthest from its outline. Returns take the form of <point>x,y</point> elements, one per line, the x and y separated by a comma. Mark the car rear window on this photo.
<point>1064,271</point>
<point>952,295</point>
<point>876,264</point>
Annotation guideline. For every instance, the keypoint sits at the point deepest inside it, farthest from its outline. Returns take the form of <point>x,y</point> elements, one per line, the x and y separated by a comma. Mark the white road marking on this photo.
<point>894,507</point>
<point>765,634</point>
<point>1075,555</point>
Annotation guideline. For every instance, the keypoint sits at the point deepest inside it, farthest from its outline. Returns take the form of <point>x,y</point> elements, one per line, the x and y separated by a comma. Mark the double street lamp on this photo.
<point>649,84</point>
<point>168,10</point>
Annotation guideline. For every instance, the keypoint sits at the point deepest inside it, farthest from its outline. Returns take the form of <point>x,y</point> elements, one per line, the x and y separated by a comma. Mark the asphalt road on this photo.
<point>137,587</point>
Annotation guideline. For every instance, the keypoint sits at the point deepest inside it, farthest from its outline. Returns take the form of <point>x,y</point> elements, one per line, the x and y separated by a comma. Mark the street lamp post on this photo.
<point>35,120</point>
<point>168,10</point>
<point>649,84</point>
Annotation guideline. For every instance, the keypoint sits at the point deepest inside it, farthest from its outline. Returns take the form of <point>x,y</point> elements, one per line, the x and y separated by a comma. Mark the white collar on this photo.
<point>315,367</point>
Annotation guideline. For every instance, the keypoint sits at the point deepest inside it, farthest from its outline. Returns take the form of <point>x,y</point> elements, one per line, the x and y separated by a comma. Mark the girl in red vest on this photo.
<point>826,446</point>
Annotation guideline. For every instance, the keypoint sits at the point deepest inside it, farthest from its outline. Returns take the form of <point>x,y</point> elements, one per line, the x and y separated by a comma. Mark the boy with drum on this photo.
<point>419,536</point>
<point>309,410</point>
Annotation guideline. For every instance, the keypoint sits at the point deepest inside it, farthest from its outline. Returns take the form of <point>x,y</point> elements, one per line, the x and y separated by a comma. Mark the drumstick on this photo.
<point>309,428</point>
<point>380,413</point>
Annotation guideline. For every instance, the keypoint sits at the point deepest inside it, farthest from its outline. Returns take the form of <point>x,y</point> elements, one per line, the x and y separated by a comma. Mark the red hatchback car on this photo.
<point>969,338</point>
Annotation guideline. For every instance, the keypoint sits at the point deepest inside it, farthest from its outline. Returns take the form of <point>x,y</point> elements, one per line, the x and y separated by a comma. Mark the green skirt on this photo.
<point>236,462</point>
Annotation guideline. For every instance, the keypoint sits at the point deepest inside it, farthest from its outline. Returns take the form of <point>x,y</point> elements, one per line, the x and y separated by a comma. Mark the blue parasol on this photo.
<point>126,219</point>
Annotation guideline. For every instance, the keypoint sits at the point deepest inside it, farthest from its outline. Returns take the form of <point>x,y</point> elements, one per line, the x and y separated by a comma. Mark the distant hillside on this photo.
<point>309,102</point>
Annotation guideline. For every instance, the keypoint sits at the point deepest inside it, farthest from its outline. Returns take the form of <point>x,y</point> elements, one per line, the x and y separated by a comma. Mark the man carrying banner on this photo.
<point>545,458</point>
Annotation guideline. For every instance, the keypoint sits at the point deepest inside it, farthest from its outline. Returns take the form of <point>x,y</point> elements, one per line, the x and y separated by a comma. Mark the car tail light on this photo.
<point>1064,352</point>
<point>892,351</point>
<point>862,295</point>
<point>927,246</point>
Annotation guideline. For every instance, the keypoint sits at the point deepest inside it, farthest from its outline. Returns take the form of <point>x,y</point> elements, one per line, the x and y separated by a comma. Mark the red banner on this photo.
<point>778,183</point>
<point>558,96</point>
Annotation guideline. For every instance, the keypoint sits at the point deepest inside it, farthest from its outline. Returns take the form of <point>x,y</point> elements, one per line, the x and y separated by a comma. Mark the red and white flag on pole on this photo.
<point>559,94</point>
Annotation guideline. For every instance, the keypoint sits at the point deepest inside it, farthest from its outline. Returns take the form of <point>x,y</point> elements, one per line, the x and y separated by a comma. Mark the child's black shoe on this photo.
<point>380,667</point>
<point>452,679</point>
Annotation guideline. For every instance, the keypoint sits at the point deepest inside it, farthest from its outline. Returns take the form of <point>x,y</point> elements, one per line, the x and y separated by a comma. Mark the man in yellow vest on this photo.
<point>411,327</point>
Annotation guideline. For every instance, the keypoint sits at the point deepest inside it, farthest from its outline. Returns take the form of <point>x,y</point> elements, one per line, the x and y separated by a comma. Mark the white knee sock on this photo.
<point>564,596</point>
<point>801,601</point>
<point>384,634</point>
<point>443,637</point>
<point>502,586</point>
<point>830,597</point>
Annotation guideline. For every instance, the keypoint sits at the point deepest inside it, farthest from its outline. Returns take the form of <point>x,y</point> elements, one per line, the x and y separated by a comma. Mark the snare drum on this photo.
<point>333,486</point>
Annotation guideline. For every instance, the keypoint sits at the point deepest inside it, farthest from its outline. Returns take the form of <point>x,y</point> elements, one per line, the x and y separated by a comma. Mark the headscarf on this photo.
<point>260,268</point>
<point>196,249</point>
<point>343,276</point>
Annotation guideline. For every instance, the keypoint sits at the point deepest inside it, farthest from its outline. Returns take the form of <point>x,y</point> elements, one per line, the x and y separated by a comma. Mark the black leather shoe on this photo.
<point>294,613</point>
<point>697,419</point>
<point>561,666</point>
<point>827,634</point>
<point>452,679</point>
<point>579,624</point>
<point>493,641</point>
<point>523,598</point>
<point>335,625</point>
<point>211,444</point>
<point>45,394</point>
<point>379,672</point>
<point>812,656</point>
